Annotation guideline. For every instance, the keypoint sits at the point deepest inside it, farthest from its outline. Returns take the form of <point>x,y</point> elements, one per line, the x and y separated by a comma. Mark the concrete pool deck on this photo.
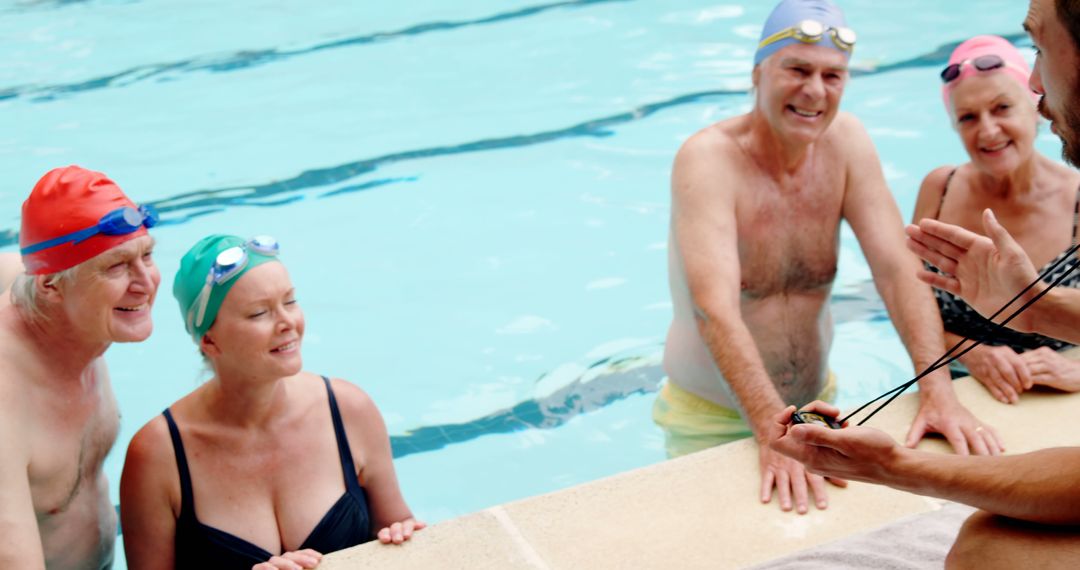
<point>698,511</point>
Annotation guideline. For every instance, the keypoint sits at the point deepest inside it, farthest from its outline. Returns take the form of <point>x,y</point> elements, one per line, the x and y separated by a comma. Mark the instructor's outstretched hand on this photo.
<point>986,272</point>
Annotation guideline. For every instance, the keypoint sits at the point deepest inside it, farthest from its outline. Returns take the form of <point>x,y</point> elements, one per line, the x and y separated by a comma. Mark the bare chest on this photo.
<point>69,448</point>
<point>788,241</point>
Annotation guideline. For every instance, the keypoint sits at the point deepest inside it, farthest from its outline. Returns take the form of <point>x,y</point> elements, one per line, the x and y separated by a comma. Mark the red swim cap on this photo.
<point>67,200</point>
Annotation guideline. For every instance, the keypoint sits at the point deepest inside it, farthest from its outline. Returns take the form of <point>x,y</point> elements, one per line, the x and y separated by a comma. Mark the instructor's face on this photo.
<point>1055,75</point>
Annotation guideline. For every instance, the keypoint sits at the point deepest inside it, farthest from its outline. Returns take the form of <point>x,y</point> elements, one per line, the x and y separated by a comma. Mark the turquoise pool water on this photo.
<point>471,196</point>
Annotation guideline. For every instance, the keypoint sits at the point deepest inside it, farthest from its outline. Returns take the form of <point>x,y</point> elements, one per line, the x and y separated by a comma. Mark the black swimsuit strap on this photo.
<point>944,191</point>
<point>187,499</point>
<point>347,465</point>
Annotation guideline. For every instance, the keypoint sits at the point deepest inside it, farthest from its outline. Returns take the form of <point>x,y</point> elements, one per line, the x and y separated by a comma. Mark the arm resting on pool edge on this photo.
<point>391,517</point>
<point>1040,486</point>
<point>874,217</point>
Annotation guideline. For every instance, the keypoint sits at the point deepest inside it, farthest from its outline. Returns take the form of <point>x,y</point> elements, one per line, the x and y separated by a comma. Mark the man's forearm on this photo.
<point>915,316</point>
<point>1057,315</point>
<point>1041,486</point>
<point>737,357</point>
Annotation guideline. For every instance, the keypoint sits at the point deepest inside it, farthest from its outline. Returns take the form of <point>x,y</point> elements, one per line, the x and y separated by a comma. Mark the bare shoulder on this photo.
<point>849,133</point>
<point>151,444</point>
<point>149,480</point>
<point>708,162</point>
<point>363,422</point>
<point>352,399</point>
<point>714,144</point>
<point>931,192</point>
<point>713,138</point>
<point>150,464</point>
<point>1069,176</point>
<point>10,267</point>
<point>938,176</point>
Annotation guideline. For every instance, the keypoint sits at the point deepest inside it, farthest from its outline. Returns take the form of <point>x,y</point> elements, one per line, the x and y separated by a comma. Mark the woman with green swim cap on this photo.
<point>264,466</point>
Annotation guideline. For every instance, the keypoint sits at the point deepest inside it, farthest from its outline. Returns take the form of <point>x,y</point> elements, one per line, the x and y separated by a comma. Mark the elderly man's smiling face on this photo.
<point>799,90</point>
<point>111,295</point>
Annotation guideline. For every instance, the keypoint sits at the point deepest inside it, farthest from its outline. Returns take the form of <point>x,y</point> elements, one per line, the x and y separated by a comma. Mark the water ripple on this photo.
<point>601,384</point>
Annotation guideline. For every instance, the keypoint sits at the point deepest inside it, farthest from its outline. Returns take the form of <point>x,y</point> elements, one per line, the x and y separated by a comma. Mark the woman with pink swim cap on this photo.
<point>986,94</point>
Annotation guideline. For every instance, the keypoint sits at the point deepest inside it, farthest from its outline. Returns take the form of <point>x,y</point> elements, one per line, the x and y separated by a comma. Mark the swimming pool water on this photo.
<point>472,197</point>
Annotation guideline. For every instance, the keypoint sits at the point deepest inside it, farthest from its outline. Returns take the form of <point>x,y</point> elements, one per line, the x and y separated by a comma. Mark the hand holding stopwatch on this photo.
<point>814,418</point>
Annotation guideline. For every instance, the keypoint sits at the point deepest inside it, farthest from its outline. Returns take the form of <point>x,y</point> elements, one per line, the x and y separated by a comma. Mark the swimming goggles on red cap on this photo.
<point>811,32</point>
<point>987,62</point>
<point>121,221</point>
<point>228,264</point>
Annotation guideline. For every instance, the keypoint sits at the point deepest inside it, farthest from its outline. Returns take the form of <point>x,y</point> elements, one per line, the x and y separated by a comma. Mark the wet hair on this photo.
<point>24,293</point>
<point>1068,11</point>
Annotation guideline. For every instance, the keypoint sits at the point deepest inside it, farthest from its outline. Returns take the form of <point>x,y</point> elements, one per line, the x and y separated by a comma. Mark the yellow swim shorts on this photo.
<point>692,423</point>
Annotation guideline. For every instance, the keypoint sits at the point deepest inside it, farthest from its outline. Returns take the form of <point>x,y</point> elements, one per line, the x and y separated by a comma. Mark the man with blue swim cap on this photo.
<point>818,22</point>
<point>757,201</point>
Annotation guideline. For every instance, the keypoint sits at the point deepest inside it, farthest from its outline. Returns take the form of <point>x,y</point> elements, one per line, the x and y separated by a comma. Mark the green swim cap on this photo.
<point>208,271</point>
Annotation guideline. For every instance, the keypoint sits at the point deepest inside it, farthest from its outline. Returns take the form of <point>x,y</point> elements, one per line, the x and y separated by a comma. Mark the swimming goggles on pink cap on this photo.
<point>812,32</point>
<point>121,221</point>
<point>228,264</point>
<point>987,62</point>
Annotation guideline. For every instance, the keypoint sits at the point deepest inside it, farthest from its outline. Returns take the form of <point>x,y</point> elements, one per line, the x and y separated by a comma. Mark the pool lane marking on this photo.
<point>531,555</point>
<point>256,57</point>
<point>202,202</point>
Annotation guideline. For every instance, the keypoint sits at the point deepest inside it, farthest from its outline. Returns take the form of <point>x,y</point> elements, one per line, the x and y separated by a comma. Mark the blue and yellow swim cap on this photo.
<point>819,22</point>
<point>208,271</point>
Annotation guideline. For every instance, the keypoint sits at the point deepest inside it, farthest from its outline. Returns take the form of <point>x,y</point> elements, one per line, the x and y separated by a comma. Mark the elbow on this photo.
<point>705,317</point>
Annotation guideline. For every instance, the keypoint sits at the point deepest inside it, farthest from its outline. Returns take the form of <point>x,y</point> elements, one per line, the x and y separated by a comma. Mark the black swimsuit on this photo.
<point>960,319</point>
<point>346,524</point>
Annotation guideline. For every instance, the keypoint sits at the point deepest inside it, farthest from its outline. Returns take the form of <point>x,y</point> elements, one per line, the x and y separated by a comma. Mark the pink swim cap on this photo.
<point>1015,65</point>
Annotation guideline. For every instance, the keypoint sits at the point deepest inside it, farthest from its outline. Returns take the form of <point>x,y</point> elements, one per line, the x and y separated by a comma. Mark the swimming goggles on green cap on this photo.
<point>121,221</point>
<point>812,32</point>
<point>228,264</point>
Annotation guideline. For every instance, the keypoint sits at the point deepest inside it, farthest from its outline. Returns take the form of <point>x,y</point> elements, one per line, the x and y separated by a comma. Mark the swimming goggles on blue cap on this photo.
<point>812,32</point>
<point>121,221</point>
<point>228,264</point>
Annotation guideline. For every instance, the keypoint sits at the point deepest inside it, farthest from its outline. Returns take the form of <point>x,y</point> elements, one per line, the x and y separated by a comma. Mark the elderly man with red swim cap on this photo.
<point>89,282</point>
<point>757,202</point>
